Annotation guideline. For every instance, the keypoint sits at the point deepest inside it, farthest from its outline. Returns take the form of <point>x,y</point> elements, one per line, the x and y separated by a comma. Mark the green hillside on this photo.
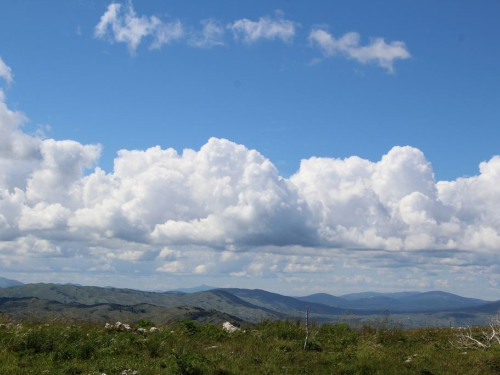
<point>247,305</point>
<point>35,309</point>
<point>88,295</point>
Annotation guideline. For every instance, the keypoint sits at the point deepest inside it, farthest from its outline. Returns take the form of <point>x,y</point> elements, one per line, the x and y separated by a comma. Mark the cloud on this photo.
<point>226,196</point>
<point>166,33</point>
<point>376,52</point>
<point>224,209</point>
<point>266,28</point>
<point>121,24</point>
<point>5,72</point>
<point>211,35</point>
<point>171,267</point>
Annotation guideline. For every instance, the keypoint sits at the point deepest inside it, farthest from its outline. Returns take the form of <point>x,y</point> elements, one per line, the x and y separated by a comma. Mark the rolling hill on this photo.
<point>251,305</point>
<point>38,309</point>
<point>89,295</point>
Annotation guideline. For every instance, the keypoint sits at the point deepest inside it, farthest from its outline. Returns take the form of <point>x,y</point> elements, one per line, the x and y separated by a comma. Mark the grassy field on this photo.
<point>270,347</point>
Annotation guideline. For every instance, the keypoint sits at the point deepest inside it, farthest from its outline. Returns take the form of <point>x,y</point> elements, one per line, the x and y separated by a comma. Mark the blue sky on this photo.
<point>443,100</point>
<point>300,91</point>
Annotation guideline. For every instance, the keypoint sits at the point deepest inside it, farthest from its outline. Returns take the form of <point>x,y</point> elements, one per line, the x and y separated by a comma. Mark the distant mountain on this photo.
<point>7,283</point>
<point>195,289</point>
<point>363,295</point>
<point>291,306</point>
<point>375,303</point>
<point>323,298</point>
<point>491,308</point>
<point>437,300</point>
<point>396,302</point>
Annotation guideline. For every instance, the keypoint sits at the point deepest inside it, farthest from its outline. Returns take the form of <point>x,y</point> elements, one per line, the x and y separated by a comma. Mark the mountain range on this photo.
<point>5,283</point>
<point>412,309</point>
<point>397,302</point>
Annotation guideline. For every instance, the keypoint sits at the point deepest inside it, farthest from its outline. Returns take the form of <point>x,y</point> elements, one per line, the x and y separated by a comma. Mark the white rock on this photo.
<point>229,327</point>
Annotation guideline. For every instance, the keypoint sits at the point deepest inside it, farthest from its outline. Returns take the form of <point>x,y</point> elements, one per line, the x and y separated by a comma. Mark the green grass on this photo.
<point>270,347</point>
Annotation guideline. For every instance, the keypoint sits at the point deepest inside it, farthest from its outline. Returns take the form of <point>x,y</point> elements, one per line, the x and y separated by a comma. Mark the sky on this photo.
<point>293,146</point>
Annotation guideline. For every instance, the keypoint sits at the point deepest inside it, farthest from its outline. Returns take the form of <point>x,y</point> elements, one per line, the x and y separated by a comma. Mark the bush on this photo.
<point>190,327</point>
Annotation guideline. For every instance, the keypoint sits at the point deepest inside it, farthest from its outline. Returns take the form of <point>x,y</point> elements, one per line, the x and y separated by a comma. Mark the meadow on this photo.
<point>268,347</point>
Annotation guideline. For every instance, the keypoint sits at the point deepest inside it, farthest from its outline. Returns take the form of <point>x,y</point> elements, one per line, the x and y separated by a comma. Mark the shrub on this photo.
<point>190,327</point>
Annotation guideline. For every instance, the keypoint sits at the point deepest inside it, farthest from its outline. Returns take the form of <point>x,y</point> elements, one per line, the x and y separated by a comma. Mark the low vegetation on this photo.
<point>269,347</point>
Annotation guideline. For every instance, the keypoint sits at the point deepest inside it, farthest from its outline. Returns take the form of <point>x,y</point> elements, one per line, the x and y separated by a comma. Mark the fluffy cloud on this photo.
<point>224,209</point>
<point>225,196</point>
<point>121,24</point>
<point>5,72</point>
<point>348,45</point>
<point>265,28</point>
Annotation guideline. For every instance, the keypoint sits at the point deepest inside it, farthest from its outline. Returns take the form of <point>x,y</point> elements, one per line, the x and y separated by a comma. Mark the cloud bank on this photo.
<point>226,195</point>
<point>225,209</point>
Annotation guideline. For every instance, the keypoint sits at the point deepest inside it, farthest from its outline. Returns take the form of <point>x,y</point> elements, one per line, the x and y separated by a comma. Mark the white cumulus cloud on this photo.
<point>225,209</point>
<point>377,51</point>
